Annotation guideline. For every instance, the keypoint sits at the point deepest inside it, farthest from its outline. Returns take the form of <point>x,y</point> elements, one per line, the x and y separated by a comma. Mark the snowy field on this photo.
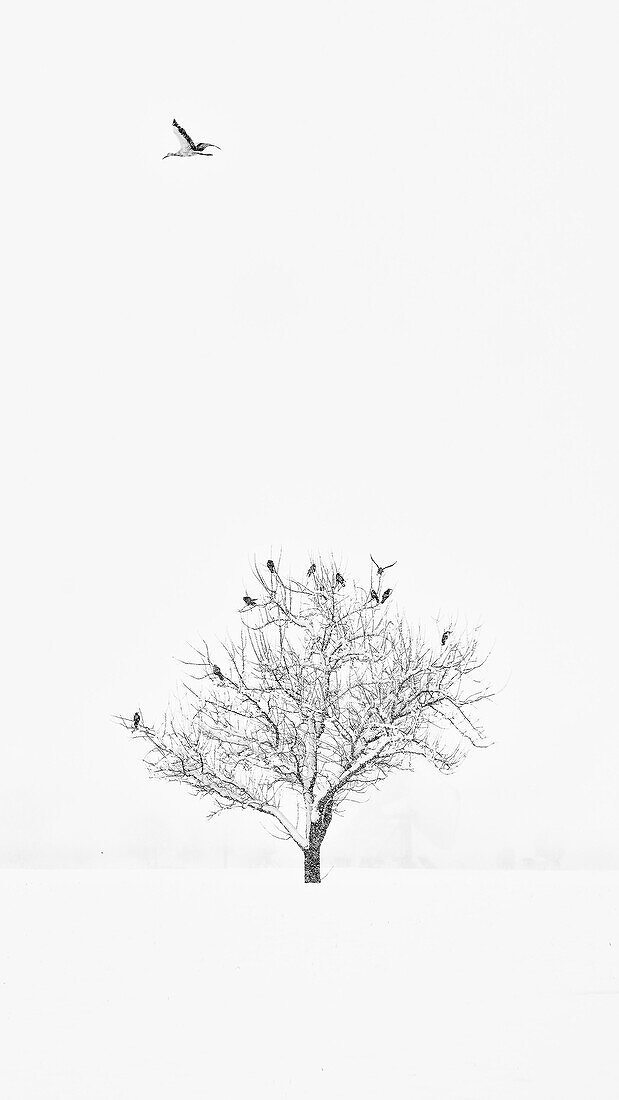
<point>424,983</point>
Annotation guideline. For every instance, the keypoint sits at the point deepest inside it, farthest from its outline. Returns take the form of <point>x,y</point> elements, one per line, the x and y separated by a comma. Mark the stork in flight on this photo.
<point>188,146</point>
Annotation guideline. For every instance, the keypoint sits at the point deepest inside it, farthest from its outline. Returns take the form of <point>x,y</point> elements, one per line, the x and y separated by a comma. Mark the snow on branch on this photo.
<point>326,691</point>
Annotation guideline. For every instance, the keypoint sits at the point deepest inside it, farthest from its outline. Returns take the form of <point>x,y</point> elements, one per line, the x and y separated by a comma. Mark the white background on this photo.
<point>439,985</point>
<point>382,320</point>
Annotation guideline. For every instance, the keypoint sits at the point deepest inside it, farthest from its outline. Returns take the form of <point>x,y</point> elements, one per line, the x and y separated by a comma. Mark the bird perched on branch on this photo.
<point>136,720</point>
<point>249,601</point>
<point>381,568</point>
<point>271,565</point>
<point>446,634</point>
<point>311,570</point>
<point>339,579</point>
<point>218,673</point>
<point>373,595</point>
<point>189,148</point>
<point>386,594</point>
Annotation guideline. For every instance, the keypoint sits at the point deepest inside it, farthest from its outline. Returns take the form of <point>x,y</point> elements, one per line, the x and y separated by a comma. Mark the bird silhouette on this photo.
<point>373,595</point>
<point>136,720</point>
<point>218,673</point>
<point>339,579</point>
<point>271,565</point>
<point>311,570</point>
<point>248,600</point>
<point>386,594</point>
<point>381,568</point>
<point>189,148</point>
<point>446,634</point>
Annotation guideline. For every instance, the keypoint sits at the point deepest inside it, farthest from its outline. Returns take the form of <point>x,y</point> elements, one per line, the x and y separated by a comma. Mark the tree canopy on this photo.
<point>325,692</point>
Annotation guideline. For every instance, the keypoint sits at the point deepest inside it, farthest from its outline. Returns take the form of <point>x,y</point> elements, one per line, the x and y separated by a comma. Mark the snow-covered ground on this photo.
<point>426,984</point>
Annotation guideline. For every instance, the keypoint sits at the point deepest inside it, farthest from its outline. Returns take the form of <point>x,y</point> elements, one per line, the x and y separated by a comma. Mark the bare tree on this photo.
<point>325,693</point>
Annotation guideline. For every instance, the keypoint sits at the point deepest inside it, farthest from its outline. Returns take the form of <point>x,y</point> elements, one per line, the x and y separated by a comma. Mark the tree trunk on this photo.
<point>312,863</point>
<point>317,832</point>
<point>312,853</point>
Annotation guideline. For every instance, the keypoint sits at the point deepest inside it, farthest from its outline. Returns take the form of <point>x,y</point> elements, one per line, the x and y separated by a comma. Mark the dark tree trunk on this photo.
<point>312,864</point>
<point>316,837</point>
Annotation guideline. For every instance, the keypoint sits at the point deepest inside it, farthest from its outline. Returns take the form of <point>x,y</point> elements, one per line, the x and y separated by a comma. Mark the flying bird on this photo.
<point>271,565</point>
<point>382,568</point>
<point>248,600</point>
<point>136,720</point>
<point>386,594</point>
<point>189,148</point>
<point>311,570</point>
<point>218,673</point>
<point>339,579</point>
<point>446,634</point>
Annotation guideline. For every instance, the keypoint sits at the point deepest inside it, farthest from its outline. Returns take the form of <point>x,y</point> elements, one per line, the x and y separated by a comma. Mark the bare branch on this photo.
<point>324,693</point>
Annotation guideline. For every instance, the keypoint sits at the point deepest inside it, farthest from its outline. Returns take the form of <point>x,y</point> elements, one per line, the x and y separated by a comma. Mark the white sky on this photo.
<point>381,320</point>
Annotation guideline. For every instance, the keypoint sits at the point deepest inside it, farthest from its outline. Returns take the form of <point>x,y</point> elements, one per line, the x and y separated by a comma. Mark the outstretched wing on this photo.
<point>183,134</point>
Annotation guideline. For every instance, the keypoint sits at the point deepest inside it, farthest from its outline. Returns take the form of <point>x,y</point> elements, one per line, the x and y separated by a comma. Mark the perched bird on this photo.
<point>446,634</point>
<point>311,570</point>
<point>136,720</point>
<point>189,148</point>
<point>271,565</point>
<point>381,568</point>
<point>218,673</point>
<point>248,600</point>
<point>373,595</point>
<point>339,579</point>
<point>386,594</point>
